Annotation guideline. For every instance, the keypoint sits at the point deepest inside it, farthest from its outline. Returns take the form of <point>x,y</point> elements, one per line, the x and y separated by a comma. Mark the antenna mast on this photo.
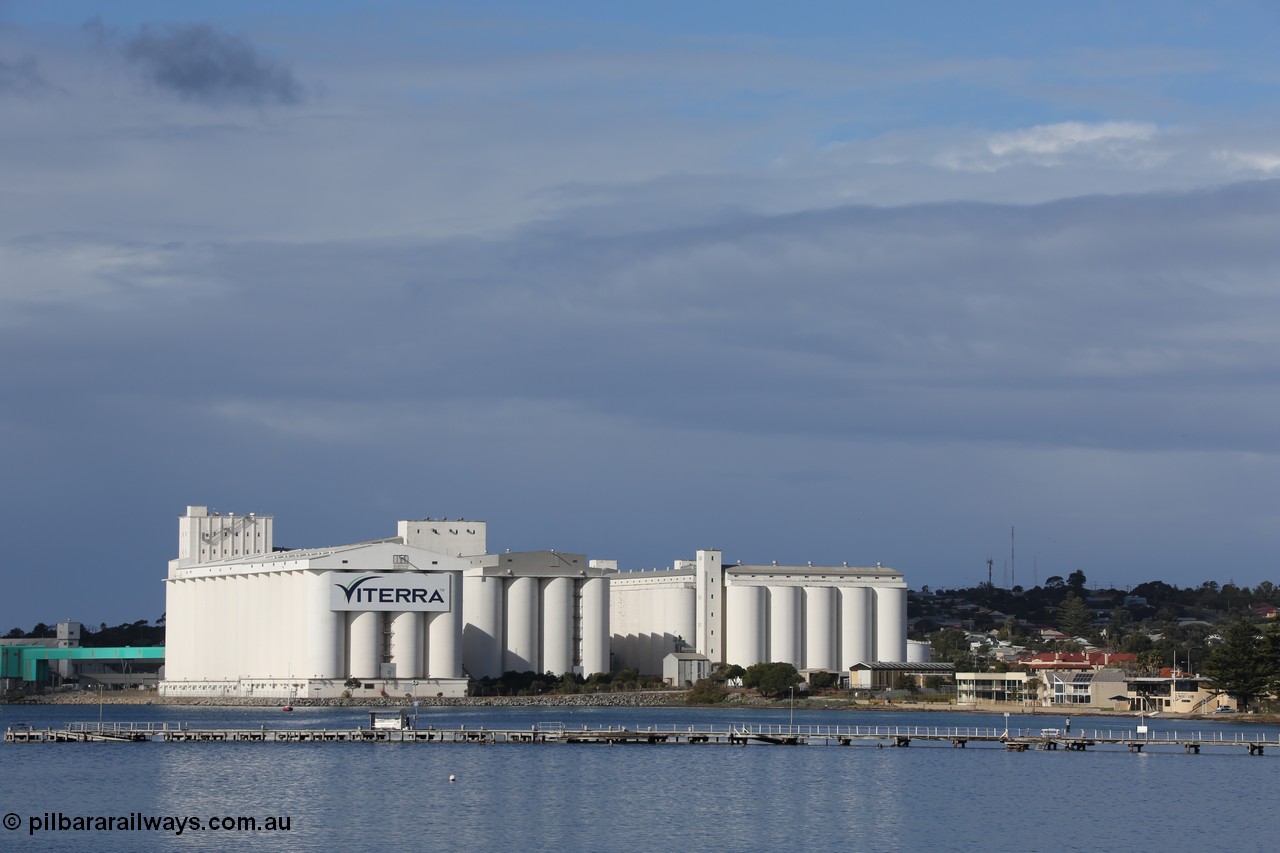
<point>1013,559</point>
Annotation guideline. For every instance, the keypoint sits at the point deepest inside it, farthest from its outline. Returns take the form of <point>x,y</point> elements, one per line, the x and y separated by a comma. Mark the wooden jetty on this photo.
<point>1017,740</point>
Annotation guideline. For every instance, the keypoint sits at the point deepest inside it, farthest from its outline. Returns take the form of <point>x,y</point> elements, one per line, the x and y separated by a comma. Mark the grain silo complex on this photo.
<point>815,617</point>
<point>416,614</point>
<point>423,612</point>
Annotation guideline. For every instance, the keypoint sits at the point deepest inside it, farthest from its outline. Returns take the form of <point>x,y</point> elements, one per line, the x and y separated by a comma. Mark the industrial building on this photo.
<point>422,612</point>
<point>814,617</point>
<point>28,663</point>
<point>416,614</point>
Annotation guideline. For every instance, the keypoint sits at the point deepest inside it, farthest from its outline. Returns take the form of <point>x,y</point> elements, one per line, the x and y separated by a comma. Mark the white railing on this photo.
<point>128,727</point>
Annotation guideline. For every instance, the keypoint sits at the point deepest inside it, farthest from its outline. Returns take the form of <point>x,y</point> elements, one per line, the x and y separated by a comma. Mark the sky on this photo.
<point>921,284</point>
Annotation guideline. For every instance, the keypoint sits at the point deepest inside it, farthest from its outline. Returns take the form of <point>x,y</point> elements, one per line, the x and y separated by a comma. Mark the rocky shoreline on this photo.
<point>645,699</point>
<point>638,699</point>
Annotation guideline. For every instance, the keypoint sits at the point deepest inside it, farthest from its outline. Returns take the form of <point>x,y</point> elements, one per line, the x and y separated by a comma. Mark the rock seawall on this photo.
<point>642,699</point>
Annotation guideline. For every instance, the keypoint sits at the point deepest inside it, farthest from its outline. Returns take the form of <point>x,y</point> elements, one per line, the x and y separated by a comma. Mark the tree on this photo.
<point>1271,654</point>
<point>1136,642</point>
<point>823,680</point>
<point>706,691</point>
<point>948,645</point>
<point>771,679</point>
<point>1073,616</point>
<point>1265,591</point>
<point>1118,627</point>
<point>1242,666</point>
<point>1076,581</point>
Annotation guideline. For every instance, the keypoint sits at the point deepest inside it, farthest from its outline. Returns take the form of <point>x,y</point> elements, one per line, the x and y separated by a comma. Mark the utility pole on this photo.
<point>1013,559</point>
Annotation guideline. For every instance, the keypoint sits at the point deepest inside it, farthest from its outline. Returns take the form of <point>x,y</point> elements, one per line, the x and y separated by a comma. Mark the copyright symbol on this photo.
<point>12,821</point>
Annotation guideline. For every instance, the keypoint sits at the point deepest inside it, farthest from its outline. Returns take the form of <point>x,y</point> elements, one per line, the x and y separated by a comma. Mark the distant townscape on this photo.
<point>1153,647</point>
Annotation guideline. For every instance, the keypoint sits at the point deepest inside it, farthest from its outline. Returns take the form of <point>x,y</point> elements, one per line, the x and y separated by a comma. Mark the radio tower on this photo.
<point>1013,560</point>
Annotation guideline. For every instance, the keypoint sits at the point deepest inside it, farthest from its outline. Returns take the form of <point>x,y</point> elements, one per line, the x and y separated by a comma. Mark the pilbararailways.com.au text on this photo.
<point>139,822</point>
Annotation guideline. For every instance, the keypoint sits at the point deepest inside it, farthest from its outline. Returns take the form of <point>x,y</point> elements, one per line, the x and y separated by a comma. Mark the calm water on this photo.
<point>636,798</point>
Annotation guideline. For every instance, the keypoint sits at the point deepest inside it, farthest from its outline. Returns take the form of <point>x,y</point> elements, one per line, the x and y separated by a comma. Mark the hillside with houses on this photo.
<point>1154,647</point>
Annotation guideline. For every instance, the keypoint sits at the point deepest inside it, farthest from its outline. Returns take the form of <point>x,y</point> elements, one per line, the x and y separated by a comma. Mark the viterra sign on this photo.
<point>388,591</point>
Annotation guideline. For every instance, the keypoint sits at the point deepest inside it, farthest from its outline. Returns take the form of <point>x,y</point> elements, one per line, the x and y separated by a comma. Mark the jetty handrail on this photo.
<point>837,731</point>
<point>128,727</point>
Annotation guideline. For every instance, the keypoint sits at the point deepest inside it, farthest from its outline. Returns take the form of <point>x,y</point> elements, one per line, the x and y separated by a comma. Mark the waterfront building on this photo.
<point>891,675</point>
<point>815,617</point>
<point>683,669</point>
<point>982,688</point>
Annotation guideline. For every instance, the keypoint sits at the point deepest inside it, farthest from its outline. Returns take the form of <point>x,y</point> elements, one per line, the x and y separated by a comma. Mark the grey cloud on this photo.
<point>22,76</point>
<point>1114,322</point>
<point>201,63</point>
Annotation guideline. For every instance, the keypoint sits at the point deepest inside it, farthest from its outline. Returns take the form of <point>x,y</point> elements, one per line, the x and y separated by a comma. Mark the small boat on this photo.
<point>287,708</point>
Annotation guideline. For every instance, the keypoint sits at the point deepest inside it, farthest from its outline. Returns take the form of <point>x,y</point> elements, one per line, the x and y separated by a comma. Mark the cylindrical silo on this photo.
<point>655,648</point>
<point>637,642</point>
<point>891,624</point>
<point>217,596</point>
<point>444,634</point>
<point>296,638</point>
<point>183,615</point>
<point>855,626</point>
<point>595,625</point>
<point>279,643</point>
<point>243,639</point>
<point>175,653</point>
<point>238,647</point>
<point>746,623</point>
<point>919,652</point>
<point>364,638</point>
<point>682,617</point>
<point>784,625</point>
<point>324,629</point>
<point>406,643</point>
<point>482,638</point>
<point>820,628</point>
<point>521,654</point>
<point>266,619</point>
<point>260,664</point>
<point>558,625</point>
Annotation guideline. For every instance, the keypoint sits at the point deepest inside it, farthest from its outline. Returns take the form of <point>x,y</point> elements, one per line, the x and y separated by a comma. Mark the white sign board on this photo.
<point>425,591</point>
